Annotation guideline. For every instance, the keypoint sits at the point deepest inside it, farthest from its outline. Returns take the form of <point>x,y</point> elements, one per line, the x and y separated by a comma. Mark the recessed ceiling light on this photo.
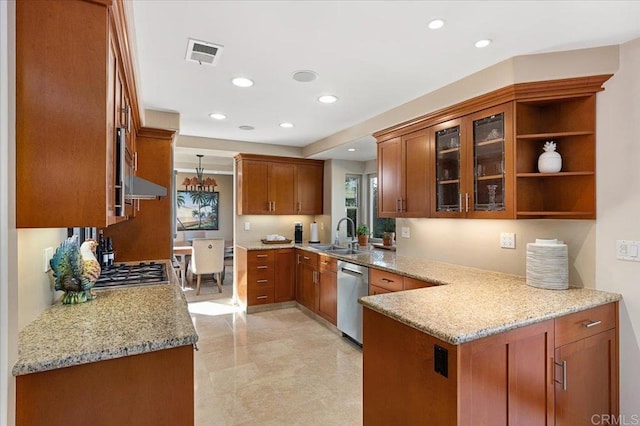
<point>327,99</point>
<point>286,125</point>
<point>245,127</point>
<point>305,76</point>
<point>483,43</point>
<point>242,82</point>
<point>217,116</point>
<point>351,149</point>
<point>436,23</point>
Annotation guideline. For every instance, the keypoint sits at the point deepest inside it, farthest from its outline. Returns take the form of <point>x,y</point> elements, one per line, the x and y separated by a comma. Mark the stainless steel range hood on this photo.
<point>142,189</point>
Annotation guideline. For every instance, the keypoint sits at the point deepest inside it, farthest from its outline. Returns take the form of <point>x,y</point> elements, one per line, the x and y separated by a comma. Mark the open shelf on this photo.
<point>559,174</point>
<point>545,136</point>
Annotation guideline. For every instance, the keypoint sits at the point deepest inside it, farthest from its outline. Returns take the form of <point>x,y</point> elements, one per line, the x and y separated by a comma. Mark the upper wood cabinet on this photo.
<point>472,165</point>
<point>278,185</point>
<point>70,79</point>
<point>483,155</point>
<point>403,176</point>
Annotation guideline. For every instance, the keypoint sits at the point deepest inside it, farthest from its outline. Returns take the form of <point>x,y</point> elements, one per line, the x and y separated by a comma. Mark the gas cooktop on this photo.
<point>128,275</point>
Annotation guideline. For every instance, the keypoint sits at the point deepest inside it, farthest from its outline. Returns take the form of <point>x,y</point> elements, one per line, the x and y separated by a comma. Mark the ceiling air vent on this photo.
<point>203,52</point>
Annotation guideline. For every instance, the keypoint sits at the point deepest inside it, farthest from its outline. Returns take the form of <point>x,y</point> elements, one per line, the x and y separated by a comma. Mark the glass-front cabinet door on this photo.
<point>447,200</point>
<point>490,150</point>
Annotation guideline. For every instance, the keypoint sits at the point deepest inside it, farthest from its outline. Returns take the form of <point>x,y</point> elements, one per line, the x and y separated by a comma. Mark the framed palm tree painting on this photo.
<point>197,210</point>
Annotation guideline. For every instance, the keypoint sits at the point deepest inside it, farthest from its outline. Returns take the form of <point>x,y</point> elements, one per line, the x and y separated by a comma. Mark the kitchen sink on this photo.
<point>333,249</point>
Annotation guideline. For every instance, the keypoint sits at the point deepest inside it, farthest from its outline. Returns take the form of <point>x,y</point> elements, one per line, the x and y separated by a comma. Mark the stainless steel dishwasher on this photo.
<point>353,283</point>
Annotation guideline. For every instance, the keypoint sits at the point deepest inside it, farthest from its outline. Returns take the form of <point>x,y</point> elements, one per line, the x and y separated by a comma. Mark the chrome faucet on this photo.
<point>353,226</point>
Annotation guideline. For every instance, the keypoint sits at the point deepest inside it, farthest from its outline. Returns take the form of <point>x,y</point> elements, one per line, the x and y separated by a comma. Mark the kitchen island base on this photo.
<point>513,377</point>
<point>153,388</point>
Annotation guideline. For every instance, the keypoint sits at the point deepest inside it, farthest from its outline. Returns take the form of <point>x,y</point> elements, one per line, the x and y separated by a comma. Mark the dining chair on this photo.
<point>208,258</point>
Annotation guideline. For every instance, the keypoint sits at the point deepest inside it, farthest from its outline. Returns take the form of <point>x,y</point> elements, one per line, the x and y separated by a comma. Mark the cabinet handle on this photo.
<point>299,206</point>
<point>397,210</point>
<point>261,255</point>
<point>261,267</point>
<point>274,206</point>
<point>262,281</point>
<point>460,201</point>
<point>306,258</point>
<point>589,324</point>
<point>298,259</point>
<point>261,297</point>
<point>562,365</point>
<point>386,280</point>
<point>466,202</point>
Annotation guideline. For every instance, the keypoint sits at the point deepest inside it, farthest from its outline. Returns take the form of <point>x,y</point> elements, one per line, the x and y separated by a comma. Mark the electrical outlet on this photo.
<point>48,254</point>
<point>405,232</point>
<point>321,226</point>
<point>507,240</point>
<point>247,226</point>
<point>628,250</point>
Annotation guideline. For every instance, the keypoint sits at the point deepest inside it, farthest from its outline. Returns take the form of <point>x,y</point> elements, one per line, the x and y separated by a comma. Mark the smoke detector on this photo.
<point>203,52</point>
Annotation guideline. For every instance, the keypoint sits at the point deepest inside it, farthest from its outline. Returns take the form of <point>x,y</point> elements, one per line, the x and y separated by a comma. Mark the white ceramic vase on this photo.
<point>549,162</point>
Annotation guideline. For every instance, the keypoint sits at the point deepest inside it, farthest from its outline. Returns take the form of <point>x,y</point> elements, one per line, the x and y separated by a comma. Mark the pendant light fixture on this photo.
<point>198,183</point>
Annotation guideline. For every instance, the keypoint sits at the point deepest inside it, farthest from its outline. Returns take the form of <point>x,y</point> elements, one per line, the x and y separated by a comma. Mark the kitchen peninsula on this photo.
<point>125,357</point>
<point>478,347</point>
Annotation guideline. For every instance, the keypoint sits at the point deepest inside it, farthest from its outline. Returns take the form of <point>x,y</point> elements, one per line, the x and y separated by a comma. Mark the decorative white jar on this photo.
<point>549,161</point>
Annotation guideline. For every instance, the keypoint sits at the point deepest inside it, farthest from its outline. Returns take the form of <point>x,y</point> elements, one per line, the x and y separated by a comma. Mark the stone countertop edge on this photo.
<point>117,323</point>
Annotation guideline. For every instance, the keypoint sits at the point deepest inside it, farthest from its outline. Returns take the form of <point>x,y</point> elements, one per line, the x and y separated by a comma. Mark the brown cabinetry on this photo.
<point>328,289</point>
<point>560,371</point>
<point>403,173</point>
<point>473,159</point>
<point>307,279</point>
<point>64,130</point>
<point>265,276</point>
<point>285,275</point>
<point>381,282</point>
<point>586,366</point>
<point>483,155</point>
<point>278,185</point>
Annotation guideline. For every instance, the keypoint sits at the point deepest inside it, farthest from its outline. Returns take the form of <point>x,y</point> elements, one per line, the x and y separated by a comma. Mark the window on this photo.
<point>380,225</point>
<point>352,200</point>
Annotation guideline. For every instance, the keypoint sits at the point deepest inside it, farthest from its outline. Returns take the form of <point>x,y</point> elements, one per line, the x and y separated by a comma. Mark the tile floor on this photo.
<point>272,368</point>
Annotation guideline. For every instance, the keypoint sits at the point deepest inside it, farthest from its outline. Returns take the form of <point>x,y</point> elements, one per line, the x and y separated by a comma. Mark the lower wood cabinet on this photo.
<point>307,277</point>
<point>328,289</point>
<point>265,276</point>
<point>381,282</point>
<point>586,365</point>
<point>154,388</point>
<point>561,372</point>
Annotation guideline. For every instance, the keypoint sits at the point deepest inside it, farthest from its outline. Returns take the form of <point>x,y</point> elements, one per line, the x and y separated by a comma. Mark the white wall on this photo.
<point>225,208</point>
<point>35,288</point>
<point>618,194</point>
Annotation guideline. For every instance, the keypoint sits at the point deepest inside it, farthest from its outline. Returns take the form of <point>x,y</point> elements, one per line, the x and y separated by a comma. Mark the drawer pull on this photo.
<point>262,281</point>
<point>261,267</point>
<point>261,255</point>
<point>386,280</point>
<point>589,324</point>
<point>261,297</point>
<point>562,365</point>
<point>306,258</point>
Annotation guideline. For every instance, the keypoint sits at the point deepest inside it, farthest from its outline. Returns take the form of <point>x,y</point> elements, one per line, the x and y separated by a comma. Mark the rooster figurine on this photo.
<point>75,270</point>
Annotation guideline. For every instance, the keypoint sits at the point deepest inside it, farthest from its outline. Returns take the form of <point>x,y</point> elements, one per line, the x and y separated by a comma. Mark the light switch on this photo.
<point>247,226</point>
<point>405,233</point>
<point>628,250</point>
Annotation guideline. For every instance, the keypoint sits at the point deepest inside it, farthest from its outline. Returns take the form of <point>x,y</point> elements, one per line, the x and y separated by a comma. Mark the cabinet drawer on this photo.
<point>579,325</point>
<point>373,290</point>
<point>260,296</point>
<point>329,263</point>
<point>260,280</point>
<point>412,283</point>
<point>260,257</point>
<point>386,280</point>
<point>308,258</point>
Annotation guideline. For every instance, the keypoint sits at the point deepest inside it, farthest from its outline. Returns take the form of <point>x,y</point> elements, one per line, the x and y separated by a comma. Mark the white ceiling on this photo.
<point>373,55</point>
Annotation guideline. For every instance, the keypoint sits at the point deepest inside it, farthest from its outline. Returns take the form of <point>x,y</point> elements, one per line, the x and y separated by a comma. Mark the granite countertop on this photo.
<point>117,323</point>
<point>468,303</point>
